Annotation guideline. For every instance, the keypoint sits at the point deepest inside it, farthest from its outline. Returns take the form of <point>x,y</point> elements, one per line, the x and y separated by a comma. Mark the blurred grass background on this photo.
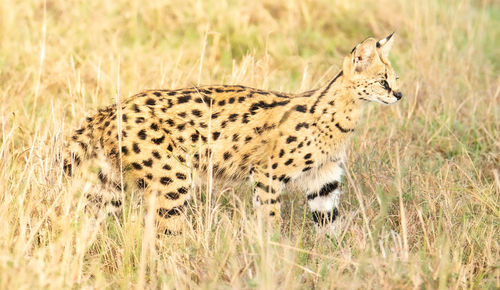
<point>421,202</point>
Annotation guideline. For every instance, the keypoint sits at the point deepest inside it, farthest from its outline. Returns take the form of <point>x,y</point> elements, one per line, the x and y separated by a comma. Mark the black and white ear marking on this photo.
<point>385,44</point>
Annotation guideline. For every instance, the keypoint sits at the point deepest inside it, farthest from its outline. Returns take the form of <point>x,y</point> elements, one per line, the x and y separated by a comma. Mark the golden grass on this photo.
<point>421,201</point>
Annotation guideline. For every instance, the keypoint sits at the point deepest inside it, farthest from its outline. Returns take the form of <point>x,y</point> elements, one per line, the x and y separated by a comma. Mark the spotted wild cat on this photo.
<point>168,136</point>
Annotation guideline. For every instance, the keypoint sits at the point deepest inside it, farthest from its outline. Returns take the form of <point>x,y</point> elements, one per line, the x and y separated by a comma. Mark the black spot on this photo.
<point>301,108</point>
<point>265,188</point>
<point>208,101</point>
<point>151,102</point>
<point>275,165</point>
<point>301,125</point>
<point>154,126</point>
<point>181,176</point>
<point>289,161</point>
<point>245,118</point>
<point>170,148</point>
<point>180,127</point>
<point>83,145</point>
<point>156,154</point>
<point>258,130</point>
<point>172,195</point>
<point>141,183</point>
<point>136,148</point>
<point>241,99</point>
<point>196,113</point>
<point>227,155</point>
<point>183,99</point>
<point>182,114</point>
<point>142,134</point>
<point>136,166</point>
<point>181,159</point>
<point>166,180</point>
<point>306,169</point>
<point>175,211</point>
<point>233,117</point>
<point>215,115</point>
<point>282,152</point>
<point>158,94</point>
<point>148,162</point>
<point>291,139</point>
<point>182,190</point>
<point>166,167</point>
<point>272,200</point>
<point>139,120</point>
<point>158,141</point>
<point>222,103</point>
<point>236,137</point>
<point>136,108</point>
<point>309,162</point>
<point>149,176</point>
<point>248,138</point>
<point>195,137</point>
<point>124,150</point>
<point>307,156</point>
<point>170,122</point>
<point>215,135</point>
<point>231,100</point>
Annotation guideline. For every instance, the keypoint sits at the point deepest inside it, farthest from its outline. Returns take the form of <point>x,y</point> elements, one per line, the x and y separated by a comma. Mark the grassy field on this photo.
<point>421,203</point>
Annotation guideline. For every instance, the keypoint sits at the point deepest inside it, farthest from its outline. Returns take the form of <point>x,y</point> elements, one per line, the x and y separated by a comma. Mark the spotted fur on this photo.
<point>161,139</point>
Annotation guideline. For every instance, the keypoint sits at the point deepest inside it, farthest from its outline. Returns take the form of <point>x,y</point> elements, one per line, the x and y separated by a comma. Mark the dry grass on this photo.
<point>421,202</point>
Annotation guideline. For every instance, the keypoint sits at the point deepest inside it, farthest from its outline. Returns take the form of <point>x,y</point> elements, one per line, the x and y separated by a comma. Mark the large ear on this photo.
<point>362,55</point>
<point>385,44</point>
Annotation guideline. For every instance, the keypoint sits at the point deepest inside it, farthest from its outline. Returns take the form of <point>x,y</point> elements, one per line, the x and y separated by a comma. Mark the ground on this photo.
<point>421,195</point>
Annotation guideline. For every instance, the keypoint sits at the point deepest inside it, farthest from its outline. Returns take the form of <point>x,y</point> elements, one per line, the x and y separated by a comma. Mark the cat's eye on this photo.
<point>385,84</point>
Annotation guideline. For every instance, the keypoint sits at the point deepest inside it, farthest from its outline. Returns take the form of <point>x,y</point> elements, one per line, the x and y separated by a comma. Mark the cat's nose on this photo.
<point>398,95</point>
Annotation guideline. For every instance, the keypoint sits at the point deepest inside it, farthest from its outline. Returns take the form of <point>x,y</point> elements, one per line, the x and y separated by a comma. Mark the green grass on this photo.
<point>421,195</point>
